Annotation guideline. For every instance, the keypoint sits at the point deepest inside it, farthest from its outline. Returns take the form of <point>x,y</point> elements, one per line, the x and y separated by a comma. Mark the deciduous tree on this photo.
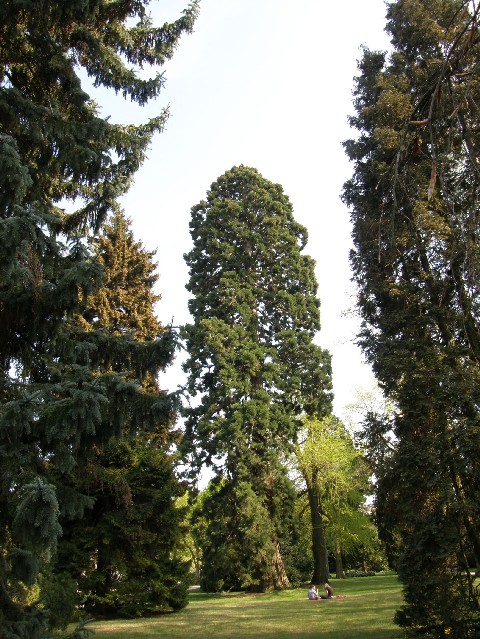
<point>336,481</point>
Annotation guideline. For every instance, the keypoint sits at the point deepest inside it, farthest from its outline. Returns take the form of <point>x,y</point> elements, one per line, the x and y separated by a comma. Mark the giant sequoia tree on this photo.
<point>60,397</point>
<point>253,369</point>
<point>415,210</point>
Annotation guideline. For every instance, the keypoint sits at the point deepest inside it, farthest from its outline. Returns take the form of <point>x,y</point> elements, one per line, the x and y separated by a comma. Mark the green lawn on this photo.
<point>365,613</point>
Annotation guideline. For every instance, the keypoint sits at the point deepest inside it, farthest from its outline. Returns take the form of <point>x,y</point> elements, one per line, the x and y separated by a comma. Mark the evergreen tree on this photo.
<point>57,404</point>
<point>192,529</point>
<point>125,303</point>
<point>414,199</point>
<point>121,551</point>
<point>121,554</point>
<point>253,367</point>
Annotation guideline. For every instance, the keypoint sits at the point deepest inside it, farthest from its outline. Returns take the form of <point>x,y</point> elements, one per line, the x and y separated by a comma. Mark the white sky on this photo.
<point>267,84</point>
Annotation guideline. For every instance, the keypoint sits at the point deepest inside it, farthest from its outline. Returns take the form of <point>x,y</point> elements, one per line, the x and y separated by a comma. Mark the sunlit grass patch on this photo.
<point>366,612</point>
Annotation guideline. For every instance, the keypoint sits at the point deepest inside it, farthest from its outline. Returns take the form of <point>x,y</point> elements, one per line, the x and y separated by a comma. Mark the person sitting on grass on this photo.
<point>328,591</point>
<point>313,593</point>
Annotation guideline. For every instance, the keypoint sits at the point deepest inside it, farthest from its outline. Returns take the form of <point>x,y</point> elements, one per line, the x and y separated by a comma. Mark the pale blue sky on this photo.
<point>264,83</point>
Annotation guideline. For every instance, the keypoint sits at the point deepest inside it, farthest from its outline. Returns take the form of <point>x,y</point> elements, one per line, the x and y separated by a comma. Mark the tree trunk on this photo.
<point>321,572</point>
<point>280,579</point>
<point>277,578</point>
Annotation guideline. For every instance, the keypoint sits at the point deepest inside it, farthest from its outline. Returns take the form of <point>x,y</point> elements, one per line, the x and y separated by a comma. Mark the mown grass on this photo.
<point>366,612</point>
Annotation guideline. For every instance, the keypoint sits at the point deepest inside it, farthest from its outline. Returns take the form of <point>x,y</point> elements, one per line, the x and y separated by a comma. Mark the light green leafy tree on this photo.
<point>192,528</point>
<point>337,481</point>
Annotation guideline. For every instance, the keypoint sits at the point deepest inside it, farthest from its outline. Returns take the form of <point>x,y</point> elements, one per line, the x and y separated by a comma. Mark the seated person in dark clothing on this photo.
<point>329,592</point>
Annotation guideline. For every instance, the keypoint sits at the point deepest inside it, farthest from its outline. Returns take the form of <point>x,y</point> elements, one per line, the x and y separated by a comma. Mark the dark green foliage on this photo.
<point>35,524</point>
<point>63,388</point>
<point>60,597</point>
<point>298,563</point>
<point>253,368</point>
<point>414,199</point>
<point>120,552</point>
<point>241,537</point>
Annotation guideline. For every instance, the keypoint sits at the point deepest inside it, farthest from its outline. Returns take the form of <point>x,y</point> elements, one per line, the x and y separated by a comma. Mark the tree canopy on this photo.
<point>414,203</point>
<point>63,388</point>
<point>253,365</point>
<point>120,552</point>
<point>336,481</point>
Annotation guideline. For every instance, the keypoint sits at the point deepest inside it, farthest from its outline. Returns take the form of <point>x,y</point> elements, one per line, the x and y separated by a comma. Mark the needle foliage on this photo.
<point>414,197</point>
<point>63,389</point>
<point>253,369</point>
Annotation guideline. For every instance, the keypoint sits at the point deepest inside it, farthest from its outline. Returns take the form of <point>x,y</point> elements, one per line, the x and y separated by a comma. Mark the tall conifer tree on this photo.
<point>120,553</point>
<point>125,303</point>
<point>415,199</point>
<point>57,404</point>
<point>254,367</point>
